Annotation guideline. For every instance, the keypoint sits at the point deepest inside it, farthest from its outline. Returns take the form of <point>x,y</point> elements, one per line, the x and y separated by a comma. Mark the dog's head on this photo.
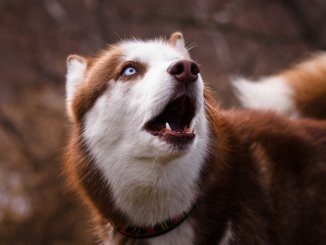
<point>141,98</point>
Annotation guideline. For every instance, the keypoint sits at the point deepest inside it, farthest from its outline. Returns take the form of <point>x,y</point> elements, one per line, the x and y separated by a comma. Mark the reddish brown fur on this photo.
<point>265,173</point>
<point>85,178</point>
<point>308,81</point>
<point>273,178</point>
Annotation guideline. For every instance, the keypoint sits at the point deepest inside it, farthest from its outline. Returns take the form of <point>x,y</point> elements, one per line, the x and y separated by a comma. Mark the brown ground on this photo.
<point>232,37</point>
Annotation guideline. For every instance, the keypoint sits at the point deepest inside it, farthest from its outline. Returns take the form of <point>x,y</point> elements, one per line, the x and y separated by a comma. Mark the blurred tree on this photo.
<point>228,37</point>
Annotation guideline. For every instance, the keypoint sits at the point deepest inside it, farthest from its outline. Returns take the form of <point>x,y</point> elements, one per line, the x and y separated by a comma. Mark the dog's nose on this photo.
<point>185,71</point>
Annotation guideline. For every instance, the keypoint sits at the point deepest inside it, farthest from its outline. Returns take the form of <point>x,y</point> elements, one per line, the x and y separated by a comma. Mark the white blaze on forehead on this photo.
<point>151,52</point>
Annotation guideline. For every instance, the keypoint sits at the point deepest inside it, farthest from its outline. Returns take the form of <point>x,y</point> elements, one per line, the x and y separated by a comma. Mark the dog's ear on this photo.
<point>76,68</point>
<point>177,41</point>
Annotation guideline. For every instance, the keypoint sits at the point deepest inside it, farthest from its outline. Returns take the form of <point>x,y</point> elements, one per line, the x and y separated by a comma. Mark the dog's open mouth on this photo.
<point>173,123</point>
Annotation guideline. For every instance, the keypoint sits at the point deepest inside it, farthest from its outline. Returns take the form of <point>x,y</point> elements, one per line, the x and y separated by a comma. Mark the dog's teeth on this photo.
<point>167,125</point>
<point>192,126</point>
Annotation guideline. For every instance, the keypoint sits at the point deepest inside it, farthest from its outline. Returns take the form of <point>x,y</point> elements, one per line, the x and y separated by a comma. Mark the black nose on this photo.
<point>185,71</point>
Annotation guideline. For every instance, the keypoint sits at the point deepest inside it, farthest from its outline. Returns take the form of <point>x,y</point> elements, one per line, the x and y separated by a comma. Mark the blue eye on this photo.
<point>129,71</point>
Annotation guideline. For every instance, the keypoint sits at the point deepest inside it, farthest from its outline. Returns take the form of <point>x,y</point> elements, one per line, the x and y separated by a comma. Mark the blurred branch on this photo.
<point>95,7</point>
<point>10,128</point>
<point>211,23</point>
<point>310,32</point>
<point>49,75</point>
<point>56,11</point>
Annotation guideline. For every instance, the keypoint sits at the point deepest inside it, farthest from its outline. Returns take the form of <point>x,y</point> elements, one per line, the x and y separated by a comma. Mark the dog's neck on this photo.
<point>150,192</point>
<point>154,230</point>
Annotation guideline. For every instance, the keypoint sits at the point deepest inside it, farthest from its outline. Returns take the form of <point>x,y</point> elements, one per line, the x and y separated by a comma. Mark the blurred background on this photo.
<point>231,37</point>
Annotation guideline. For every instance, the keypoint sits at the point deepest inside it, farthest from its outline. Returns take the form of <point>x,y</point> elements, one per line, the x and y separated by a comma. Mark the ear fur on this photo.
<point>76,67</point>
<point>177,41</point>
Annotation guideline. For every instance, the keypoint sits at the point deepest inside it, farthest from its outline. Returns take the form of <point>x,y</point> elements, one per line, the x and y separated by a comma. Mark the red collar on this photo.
<point>152,231</point>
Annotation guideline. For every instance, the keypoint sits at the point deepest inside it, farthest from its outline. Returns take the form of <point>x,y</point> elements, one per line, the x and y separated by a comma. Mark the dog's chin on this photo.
<point>163,150</point>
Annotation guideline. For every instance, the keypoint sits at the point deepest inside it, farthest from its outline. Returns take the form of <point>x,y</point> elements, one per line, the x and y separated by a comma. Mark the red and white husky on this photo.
<point>157,162</point>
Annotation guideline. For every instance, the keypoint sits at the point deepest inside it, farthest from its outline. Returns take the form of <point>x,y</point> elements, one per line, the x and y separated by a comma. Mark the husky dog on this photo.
<point>158,162</point>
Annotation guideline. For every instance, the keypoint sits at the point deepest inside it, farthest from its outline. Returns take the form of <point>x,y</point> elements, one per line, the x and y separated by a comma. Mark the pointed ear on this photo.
<point>76,67</point>
<point>177,41</point>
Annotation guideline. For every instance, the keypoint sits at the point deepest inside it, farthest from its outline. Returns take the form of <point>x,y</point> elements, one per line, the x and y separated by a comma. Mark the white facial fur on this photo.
<point>151,180</point>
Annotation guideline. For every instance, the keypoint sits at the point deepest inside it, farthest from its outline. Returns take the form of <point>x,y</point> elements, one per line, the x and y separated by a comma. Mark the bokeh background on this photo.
<point>231,37</point>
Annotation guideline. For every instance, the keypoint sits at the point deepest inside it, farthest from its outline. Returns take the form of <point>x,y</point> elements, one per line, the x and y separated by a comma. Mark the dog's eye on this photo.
<point>129,71</point>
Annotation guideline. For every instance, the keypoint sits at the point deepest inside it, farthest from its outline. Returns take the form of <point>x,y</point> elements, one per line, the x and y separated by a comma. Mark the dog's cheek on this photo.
<point>200,94</point>
<point>105,122</point>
